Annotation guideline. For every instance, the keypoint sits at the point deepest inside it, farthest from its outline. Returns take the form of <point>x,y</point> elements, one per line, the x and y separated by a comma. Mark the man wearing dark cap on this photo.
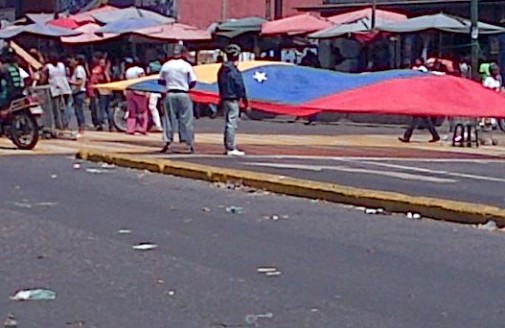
<point>178,77</point>
<point>231,92</point>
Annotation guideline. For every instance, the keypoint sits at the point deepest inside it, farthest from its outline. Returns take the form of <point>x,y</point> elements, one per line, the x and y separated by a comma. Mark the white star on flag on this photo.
<point>260,77</point>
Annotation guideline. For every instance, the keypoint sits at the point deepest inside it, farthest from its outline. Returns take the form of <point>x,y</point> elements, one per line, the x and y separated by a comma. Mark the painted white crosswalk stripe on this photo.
<point>341,168</point>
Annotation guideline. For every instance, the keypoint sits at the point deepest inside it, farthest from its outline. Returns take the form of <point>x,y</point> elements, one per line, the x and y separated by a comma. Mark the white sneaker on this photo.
<point>235,152</point>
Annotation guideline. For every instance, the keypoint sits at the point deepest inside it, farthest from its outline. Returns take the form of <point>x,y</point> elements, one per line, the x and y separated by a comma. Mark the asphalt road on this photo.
<point>476,180</point>
<point>339,267</point>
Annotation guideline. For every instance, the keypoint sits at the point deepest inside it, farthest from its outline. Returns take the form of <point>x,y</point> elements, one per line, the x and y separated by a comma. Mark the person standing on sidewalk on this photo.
<point>178,77</point>
<point>420,121</point>
<point>78,84</point>
<point>56,73</point>
<point>231,93</point>
<point>138,117</point>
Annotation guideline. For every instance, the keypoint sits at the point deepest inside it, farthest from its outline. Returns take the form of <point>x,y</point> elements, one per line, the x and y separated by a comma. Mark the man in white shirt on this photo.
<point>494,82</point>
<point>178,77</point>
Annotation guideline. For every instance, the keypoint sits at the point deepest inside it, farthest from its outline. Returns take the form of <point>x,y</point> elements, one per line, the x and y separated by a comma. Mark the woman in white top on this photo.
<point>60,90</point>
<point>78,83</point>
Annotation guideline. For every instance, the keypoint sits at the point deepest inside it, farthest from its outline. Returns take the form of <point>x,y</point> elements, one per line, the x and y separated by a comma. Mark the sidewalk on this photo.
<point>370,145</point>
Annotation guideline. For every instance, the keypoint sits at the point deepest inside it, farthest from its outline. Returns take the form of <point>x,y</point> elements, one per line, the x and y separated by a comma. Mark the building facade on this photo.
<point>200,13</point>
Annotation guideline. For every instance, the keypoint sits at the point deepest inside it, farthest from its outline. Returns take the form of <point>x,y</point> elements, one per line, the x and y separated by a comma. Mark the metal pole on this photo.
<point>474,34</point>
<point>278,9</point>
<point>224,10</point>
<point>374,13</point>
<point>268,9</point>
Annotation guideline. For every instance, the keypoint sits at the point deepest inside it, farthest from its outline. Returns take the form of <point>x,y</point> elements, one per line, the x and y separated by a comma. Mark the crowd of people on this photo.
<point>72,85</point>
<point>490,77</point>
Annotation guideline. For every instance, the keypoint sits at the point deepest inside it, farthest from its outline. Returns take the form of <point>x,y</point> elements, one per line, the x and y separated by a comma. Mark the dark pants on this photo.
<point>421,121</point>
<point>79,108</point>
<point>94,108</point>
<point>104,114</point>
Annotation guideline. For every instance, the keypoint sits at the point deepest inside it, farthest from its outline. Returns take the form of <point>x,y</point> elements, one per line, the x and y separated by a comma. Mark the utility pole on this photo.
<point>374,13</point>
<point>278,9</point>
<point>474,35</point>
<point>224,10</point>
<point>268,9</point>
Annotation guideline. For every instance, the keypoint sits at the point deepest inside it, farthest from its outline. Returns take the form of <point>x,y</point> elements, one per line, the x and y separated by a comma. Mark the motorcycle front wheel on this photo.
<point>120,116</point>
<point>24,131</point>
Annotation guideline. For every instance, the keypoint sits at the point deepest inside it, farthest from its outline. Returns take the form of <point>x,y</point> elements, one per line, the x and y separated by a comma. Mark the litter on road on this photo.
<point>95,171</point>
<point>144,247</point>
<point>234,210</point>
<point>489,226</point>
<point>372,211</point>
<point>266,269</point>
<point>252,319</point>
<point>34,295</point>
<point>10,322</point>
<point>415,216</point>
<point>124,232</point>
<point>76,166</point>
<point>269,271</point>
<point>107,166</point>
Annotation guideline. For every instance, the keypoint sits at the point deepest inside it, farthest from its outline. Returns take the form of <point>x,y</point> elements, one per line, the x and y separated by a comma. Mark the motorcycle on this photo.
<point>18,122</point>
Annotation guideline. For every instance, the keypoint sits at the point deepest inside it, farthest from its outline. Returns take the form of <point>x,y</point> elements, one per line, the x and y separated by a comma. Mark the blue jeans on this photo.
<point>104,112</point>
<point>79,108</point>
<point>231,112</point>
<point>178,115</point>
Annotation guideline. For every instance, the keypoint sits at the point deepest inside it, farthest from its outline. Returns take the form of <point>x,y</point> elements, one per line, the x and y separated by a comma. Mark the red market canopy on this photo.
<point>174,32</point>
<point>65,22</point>
<point>380,16</point>
<point>299,24</point>
<point>88,35</point>
<point>74,21</point>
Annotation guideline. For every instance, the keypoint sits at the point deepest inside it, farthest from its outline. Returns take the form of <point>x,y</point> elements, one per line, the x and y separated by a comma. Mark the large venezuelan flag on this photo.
<point>288,89</point>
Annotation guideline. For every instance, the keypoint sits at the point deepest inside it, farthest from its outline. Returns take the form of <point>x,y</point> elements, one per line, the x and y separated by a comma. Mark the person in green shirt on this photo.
<point>11,83</point>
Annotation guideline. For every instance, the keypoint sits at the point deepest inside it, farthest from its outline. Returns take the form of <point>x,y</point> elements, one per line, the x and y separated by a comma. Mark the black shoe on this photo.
<point>191,150</point>
<point>434,140</point>
<point>165,148</point>
<point>99,128</point>
<point>403,140</point>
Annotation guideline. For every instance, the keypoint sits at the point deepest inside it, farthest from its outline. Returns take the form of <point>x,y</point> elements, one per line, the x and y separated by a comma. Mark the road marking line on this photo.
<point>346,158</point>
<point>440,172</point>
<point>319,168</point>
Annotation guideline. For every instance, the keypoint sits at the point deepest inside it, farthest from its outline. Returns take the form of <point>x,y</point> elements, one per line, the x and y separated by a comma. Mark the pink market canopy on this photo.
<point>88,16</point>
<point>88,35</point>
<point>107,17</point>
<point>358,23</point>
<point>174,32</point>
<point>295,25</point>
<point>294,90</point>
<point>380,16</point>
<point>38,29</point>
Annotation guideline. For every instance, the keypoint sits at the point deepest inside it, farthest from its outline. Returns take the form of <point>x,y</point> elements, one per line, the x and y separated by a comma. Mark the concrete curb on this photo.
<point>440,209</point>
